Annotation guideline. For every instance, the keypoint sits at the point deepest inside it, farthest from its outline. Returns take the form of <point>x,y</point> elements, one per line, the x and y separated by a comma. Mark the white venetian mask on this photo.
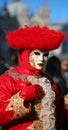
<point>37,59</point>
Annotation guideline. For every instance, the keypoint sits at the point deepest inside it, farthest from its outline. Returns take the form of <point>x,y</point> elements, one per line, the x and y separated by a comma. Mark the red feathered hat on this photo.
<point>35,38</point>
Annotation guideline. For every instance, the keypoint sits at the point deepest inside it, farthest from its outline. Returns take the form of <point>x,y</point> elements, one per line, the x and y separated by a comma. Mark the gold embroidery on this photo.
<point>17,105</point>
<point>36,125</point>
<point>38,108</point>
<point>15,76</point>
<point>38,76</point>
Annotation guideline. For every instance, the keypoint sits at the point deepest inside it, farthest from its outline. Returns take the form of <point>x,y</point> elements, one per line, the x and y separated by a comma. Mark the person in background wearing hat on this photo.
<point>64,67</point>
<point>28,99</point>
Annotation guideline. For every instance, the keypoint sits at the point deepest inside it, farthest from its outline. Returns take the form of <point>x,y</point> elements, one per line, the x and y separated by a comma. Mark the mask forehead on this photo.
<point>36,53</point>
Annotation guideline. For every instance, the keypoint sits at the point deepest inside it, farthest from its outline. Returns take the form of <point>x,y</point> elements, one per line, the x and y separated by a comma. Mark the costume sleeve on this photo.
<point>11,104</point>
<point>60,108</point>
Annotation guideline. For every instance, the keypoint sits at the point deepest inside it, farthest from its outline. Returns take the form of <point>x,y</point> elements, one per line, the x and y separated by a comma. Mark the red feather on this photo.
<point>35,38</point>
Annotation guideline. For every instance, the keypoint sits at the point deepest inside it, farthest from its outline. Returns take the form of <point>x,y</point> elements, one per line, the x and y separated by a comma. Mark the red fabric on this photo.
<point>61,112</point>
<point>35,38</point>
<point>6,90</point>
<point>28,70</point>
<point>24,67</point>
<point>32,92</point>
<point>21,126</point>
<point>9,86</point>
<point>55,88</point>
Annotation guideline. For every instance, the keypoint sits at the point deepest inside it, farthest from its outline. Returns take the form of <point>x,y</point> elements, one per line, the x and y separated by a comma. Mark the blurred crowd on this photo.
<point>57,69</point>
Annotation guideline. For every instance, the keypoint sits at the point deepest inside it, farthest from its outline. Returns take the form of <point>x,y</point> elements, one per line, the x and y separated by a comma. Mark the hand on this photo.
<point>30,92</point>
<point>66,101</point>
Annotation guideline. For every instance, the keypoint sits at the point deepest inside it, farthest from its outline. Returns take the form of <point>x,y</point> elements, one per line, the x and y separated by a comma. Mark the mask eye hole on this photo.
<point>36,53</point>
<point>46,54</point>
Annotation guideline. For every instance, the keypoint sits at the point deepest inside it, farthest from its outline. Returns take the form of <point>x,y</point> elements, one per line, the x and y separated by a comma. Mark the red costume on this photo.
<point>28,99</point>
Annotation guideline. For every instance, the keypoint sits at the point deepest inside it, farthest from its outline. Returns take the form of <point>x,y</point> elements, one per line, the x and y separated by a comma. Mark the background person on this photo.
<point>64,67</point>
<point>53,69</point>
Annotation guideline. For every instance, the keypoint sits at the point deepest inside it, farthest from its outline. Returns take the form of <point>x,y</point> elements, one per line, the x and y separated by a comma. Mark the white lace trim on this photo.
<point>48,112</point>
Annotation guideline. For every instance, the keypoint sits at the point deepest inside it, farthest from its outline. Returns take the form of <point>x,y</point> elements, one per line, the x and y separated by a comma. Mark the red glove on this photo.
<point>30,92</point>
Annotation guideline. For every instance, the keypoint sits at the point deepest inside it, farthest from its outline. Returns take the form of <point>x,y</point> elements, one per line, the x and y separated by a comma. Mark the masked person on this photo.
<point>28,100</point>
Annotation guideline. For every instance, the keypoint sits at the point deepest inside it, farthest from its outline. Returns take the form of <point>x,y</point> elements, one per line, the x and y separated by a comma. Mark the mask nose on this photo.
<point>41,58</point>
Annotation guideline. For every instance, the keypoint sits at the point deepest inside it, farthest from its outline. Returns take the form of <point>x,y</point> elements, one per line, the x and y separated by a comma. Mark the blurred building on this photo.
<point>41,17</point>
<point>16,15</point>
<point>20,11</point>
